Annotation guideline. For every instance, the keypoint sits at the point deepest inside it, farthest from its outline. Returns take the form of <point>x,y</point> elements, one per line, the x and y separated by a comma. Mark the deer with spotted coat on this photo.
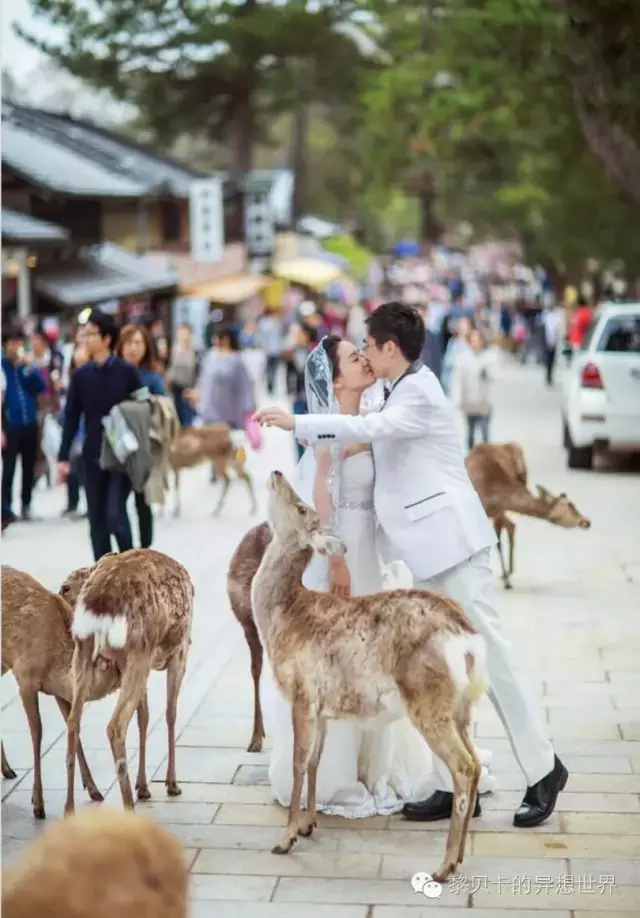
<point>375,658</point>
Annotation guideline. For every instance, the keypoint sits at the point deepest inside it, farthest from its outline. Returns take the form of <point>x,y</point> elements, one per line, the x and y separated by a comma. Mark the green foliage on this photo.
<point>356,255</point>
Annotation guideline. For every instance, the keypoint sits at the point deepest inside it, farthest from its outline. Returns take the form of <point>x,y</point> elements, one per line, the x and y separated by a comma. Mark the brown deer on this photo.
<point>196,445</point>
<point>135,609</point>
<point>498,472</point>
<point>102,863</point>
<point>242,569</point>
<point>373,657</point>
<point>37,647</point>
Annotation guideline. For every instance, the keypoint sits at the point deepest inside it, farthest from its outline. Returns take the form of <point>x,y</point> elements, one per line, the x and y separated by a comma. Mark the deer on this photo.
<point>375,658</point>
<point>134,609</point>
<point>195,445</point>
<point>37,647</point>
<point>498,472</point>
<point>102,863</point>
<point>242,569</point>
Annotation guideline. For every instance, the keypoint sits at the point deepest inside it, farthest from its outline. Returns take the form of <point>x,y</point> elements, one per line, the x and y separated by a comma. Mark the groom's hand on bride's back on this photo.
<point>274,417</point>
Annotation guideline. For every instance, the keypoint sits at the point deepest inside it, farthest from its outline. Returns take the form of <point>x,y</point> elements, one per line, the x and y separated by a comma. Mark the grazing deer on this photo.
<point>135,609</point>
<point>102,863</point>
<point>242,569</point>
<point>196,445</point>
<point>379,657</point>
<point>498,472</point>
<point>37,647</point>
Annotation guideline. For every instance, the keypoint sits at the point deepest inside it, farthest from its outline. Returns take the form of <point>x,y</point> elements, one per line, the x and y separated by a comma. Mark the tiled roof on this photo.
<point>100,273</point>
<point>22,228</point>
<point>80,158</point>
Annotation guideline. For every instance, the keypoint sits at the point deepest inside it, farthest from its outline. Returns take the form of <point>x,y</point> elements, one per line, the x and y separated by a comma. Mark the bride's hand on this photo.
<point>339,579</point>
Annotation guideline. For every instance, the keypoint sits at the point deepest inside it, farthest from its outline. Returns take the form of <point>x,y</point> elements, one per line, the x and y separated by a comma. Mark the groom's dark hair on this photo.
<point>400,323</point>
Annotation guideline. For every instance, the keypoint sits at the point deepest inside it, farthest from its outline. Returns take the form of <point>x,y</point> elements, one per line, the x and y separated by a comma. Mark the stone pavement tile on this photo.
<point>527,844</point>
<point>426,911</point>
<point>604,783</point>
<point>247,838</point>
<point>175,811</point>
<point>231,814</point>
<point>635,765</point>
<point>583,714</point>
<point>491,820</point>
<point>19,806</point>
<point>230,735</point>
<point>577,699</point>
<point>202,765</point>
<point>599,914</point>
<point>596,748</point>
<point>620,899</point>
<point>252,774</point>
<point>431,842</point>
<point>213,886</point>
<point>604,823</point>
<point>203,909</point>
<point>625,871</point>
<point>297,864</point>
<point>583,764</point>
<point>400,867</point>
<point>358,891</point>
<point>569,802</point>
<point>630,731</point>
<point>216,793</point>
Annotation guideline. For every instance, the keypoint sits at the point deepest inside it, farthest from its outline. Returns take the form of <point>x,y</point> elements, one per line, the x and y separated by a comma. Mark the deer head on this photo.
<point>70,589</point>
<point>296,523</point>
<point>561,511</point>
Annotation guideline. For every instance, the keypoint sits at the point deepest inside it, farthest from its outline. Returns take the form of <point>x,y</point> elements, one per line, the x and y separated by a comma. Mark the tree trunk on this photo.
<point>241,135</point>
<point>429,231</point>
<point>299,157</point>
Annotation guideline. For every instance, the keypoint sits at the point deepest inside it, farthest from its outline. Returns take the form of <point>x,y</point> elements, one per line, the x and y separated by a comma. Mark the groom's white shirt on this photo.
<point>426,505</point>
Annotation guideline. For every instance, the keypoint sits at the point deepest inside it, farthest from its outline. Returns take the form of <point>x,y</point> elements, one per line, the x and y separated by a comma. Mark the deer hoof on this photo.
<point>173,789</point>
<point>283,849</point>
<point>255,745</point>
<point>507,585</point>
<point>306,831</point>
<point>9,773</point>
<point>95,795</point>
<point>39,813</point>
<point>143,793</point>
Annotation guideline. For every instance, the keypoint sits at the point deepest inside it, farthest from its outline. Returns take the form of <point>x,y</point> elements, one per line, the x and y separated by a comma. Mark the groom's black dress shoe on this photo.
<point>438,806</point>
<point>540,800</point>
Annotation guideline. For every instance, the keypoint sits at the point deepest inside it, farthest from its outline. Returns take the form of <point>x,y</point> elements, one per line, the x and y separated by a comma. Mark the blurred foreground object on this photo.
<point>103,863</point>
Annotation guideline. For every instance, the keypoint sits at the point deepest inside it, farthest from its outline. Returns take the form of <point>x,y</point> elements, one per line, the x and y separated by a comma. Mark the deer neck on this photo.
<point>277,583</point>
<point>528,504</point>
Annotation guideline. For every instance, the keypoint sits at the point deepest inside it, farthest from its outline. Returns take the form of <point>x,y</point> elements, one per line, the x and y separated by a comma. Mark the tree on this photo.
<point>213,69</point>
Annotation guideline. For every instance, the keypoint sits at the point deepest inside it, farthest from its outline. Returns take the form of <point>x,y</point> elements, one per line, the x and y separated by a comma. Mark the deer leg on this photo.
<point>242,473</point>
<point>498,525</point>
<point>177,508</point>
<point>132,691</point>
<point>29,698</point>
<point>510,526</point>
<point>304,730</point>
<point>142,787</point>
<point>226,484</point>
<point>7,770</point>
<point>82,675</point>
<point>175,675</point>
<point>443,736</point>
<point>87,778</point>
<point>463,723</point>
<point>308,821</point>
<point>255,649</point>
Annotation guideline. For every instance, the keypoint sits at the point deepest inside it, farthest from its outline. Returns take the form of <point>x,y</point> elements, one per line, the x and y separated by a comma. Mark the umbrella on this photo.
<point>308,271</point>
<point>406,249</point>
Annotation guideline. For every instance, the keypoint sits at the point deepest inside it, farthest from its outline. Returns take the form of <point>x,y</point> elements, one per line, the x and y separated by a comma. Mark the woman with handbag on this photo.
<point>225,390</point>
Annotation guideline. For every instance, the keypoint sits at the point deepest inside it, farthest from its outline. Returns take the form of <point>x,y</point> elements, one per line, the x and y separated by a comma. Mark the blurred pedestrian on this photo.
<point>270,336</point>
<point>551,327</point>
<point>183,373</point>
<point>580,323</point>
<point>471,386</point>
<point>135,347</point>
<point>23,385</point>
<point>224,389</point>
<point>97,387</point>
<point>458,344</point>
<point>76,477</point>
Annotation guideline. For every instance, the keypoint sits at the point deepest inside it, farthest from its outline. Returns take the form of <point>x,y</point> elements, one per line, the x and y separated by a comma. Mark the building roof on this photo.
<point>103,272</point>
<point>78,158</point>
<point>22,229</point>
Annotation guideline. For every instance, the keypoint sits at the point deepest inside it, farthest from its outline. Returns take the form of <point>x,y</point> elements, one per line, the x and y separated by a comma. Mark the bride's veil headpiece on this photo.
<point>321,399</point>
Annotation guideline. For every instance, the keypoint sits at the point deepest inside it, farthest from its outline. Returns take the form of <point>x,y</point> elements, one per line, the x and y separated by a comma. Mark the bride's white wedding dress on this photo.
<point>362,772</point>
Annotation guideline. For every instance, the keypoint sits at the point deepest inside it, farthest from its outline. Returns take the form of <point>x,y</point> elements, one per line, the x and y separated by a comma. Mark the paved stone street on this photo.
<point>574,616</point>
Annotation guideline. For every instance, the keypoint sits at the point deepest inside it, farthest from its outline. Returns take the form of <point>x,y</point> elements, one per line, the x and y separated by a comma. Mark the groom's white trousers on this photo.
<point>471,585</point>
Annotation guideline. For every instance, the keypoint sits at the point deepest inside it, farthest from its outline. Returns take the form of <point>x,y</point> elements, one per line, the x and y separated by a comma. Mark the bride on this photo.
<point>363,771</point>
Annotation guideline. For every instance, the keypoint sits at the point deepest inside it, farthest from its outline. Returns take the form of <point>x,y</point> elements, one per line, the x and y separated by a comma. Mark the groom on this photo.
<point>433,521</point>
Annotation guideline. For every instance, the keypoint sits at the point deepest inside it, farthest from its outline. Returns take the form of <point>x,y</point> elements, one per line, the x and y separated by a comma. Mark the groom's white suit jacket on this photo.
<point>426,505</point>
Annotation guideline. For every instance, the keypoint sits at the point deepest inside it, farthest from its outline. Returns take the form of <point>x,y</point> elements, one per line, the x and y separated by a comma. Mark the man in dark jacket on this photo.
<point>95,389</point>
<point>19,422</point>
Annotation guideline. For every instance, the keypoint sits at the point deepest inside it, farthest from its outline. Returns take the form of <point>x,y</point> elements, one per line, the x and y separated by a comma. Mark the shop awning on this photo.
<point>103,272</point>
<point>25,230</point>
<point>228,290</point>
<point>307,271</point>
